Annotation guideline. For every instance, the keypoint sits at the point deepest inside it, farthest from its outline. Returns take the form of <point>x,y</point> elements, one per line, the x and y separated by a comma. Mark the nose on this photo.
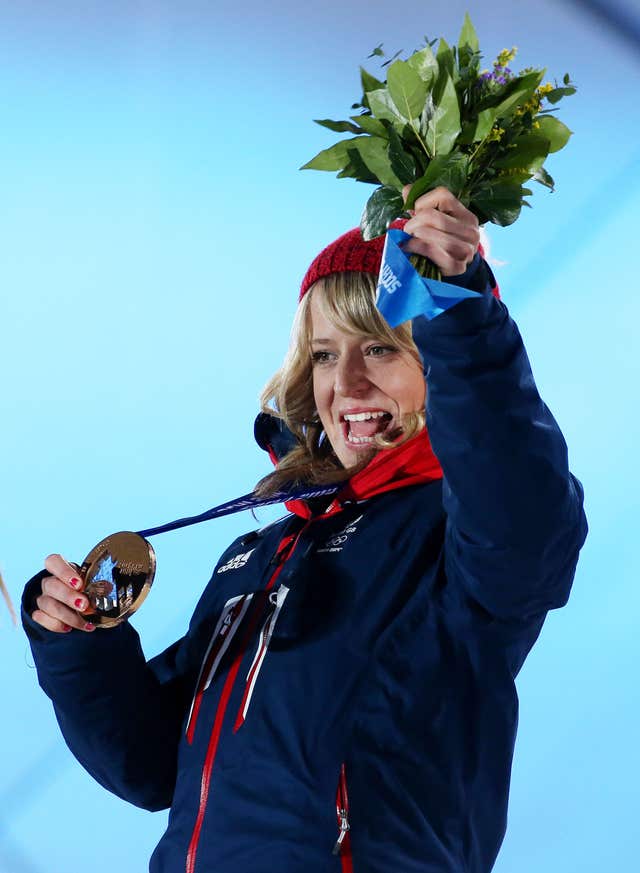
<point>351,378</point>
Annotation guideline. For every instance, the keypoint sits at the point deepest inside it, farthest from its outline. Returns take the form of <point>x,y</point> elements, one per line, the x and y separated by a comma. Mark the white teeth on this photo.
<point>363,416</point>
<point>362,439</point>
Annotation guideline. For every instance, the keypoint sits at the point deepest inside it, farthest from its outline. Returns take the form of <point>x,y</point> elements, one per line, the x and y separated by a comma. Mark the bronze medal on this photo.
<point>118,574</point>
<point>119,571</point>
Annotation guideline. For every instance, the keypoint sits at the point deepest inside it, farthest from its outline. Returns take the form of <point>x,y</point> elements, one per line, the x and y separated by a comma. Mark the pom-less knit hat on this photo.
<point>351,253</point>
<point>348,253</point>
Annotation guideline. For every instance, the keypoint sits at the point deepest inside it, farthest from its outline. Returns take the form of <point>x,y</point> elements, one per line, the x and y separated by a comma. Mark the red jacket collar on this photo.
<point>411,463</point>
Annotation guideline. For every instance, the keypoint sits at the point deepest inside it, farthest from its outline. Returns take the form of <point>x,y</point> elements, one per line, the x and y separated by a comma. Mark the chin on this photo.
<point>352,456</point>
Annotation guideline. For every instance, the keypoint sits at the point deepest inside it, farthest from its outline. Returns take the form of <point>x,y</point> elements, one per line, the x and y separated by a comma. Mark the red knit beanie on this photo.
<point>350,253</point>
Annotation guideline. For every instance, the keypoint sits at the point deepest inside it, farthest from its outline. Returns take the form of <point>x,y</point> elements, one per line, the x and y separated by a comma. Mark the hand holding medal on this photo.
<point>118,572</point>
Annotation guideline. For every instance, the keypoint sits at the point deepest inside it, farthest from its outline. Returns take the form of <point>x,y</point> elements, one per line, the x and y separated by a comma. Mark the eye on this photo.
<point>320,357</point>
<point>378,351</point>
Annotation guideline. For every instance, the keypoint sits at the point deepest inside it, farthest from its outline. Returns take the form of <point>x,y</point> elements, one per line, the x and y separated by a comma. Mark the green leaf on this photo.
<point>527,152</point>
<point>338,126</point>
<point>427,113</point>
<point>555,131</point>
<point>383,106</point>
<point>445,58</point>
<point>380,210</point>
<point>337,157</point>
<point>484,124</point>
<point>450,171</point>
<point>468,64</point>
<point>518,176</point>
<point>414,145</point>
<point>408,91</point>
<point>500,201</point>
<point>355,168</point>
<point>333,158</point>
<point>371,125</point>
<point>468,35</point>
<point>373,151</point>
<point>477,129</point>
<point>544,178</point>
<point>520,91</point>
<point>425,64</point>
<point>369,82</point>
<point>402,163</point>
<point>558,93</point>
<point>444,127</point>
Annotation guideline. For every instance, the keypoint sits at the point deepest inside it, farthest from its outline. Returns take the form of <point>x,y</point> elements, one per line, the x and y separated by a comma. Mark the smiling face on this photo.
<point>363,384</point>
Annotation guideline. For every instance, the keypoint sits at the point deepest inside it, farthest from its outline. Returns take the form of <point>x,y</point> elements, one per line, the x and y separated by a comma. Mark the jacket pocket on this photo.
<point>342,846</point>
<point>276,602</point>
<point>226,628</point>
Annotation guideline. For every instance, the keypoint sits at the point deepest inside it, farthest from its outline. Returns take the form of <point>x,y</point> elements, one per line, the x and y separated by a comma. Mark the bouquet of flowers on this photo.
<point>438,119</point>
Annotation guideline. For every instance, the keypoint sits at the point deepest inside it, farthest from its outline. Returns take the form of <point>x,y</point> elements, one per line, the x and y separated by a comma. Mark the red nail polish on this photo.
<point>66,628</point>
<point>89,627</point>
<point>78,603</point>
<point>75,583</point>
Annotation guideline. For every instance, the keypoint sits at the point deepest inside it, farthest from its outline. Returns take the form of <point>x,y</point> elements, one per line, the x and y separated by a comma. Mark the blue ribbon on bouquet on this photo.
<point>403,293</point>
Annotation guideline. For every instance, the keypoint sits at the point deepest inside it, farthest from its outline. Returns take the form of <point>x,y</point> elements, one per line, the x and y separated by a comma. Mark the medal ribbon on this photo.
<point>247,501</point>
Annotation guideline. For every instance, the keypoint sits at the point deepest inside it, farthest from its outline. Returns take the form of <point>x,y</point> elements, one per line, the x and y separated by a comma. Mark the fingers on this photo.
<point>61,602</point>
<point>451,258</point>
<point>440,198</point>
<point>443,230</point>
<point>447,242</point>
<point>68,621</point>
<point>433,219</point>
<point>63,570</point>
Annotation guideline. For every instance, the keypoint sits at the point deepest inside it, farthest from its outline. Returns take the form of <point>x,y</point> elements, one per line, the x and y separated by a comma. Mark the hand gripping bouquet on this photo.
<point>438,119</point>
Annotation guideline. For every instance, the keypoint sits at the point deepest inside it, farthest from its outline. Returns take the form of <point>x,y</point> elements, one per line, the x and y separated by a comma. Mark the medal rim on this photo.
<point>90,561</point>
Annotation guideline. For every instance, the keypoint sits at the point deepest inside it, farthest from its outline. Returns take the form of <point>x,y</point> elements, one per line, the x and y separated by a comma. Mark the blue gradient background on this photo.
<point>154,230</point>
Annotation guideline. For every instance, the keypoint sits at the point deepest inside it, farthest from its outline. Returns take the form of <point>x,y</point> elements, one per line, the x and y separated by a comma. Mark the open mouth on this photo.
<point>361,428</point>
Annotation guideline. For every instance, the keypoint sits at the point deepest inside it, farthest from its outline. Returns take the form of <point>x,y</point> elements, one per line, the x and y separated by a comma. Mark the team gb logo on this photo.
<point>337,541</point>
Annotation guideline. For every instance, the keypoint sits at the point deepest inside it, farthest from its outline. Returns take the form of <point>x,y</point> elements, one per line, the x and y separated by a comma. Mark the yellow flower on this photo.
<point>495,134</point>
<point>543,90</point>
<point>536,125</point>
<point>505,56</point>
<point>531,106</point>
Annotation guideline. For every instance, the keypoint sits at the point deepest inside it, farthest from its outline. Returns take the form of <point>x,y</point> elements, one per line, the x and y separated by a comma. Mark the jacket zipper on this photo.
<point>283,553</point>
<point>343,843</point>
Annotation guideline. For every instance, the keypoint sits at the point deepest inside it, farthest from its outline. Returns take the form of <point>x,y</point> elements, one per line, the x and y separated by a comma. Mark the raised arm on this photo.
<point>515,517</point>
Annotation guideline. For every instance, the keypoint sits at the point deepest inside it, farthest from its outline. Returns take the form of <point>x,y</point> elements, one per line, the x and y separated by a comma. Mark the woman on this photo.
<point>369,640</point>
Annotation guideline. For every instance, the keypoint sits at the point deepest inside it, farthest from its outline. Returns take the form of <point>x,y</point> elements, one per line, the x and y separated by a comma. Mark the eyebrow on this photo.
<point>320,341</point>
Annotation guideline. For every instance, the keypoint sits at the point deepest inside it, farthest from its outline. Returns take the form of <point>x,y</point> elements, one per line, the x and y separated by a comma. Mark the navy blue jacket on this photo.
<point>380,640</point>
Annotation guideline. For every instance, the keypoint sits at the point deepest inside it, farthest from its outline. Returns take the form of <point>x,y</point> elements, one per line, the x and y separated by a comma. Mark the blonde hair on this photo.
<point>348,301</point>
